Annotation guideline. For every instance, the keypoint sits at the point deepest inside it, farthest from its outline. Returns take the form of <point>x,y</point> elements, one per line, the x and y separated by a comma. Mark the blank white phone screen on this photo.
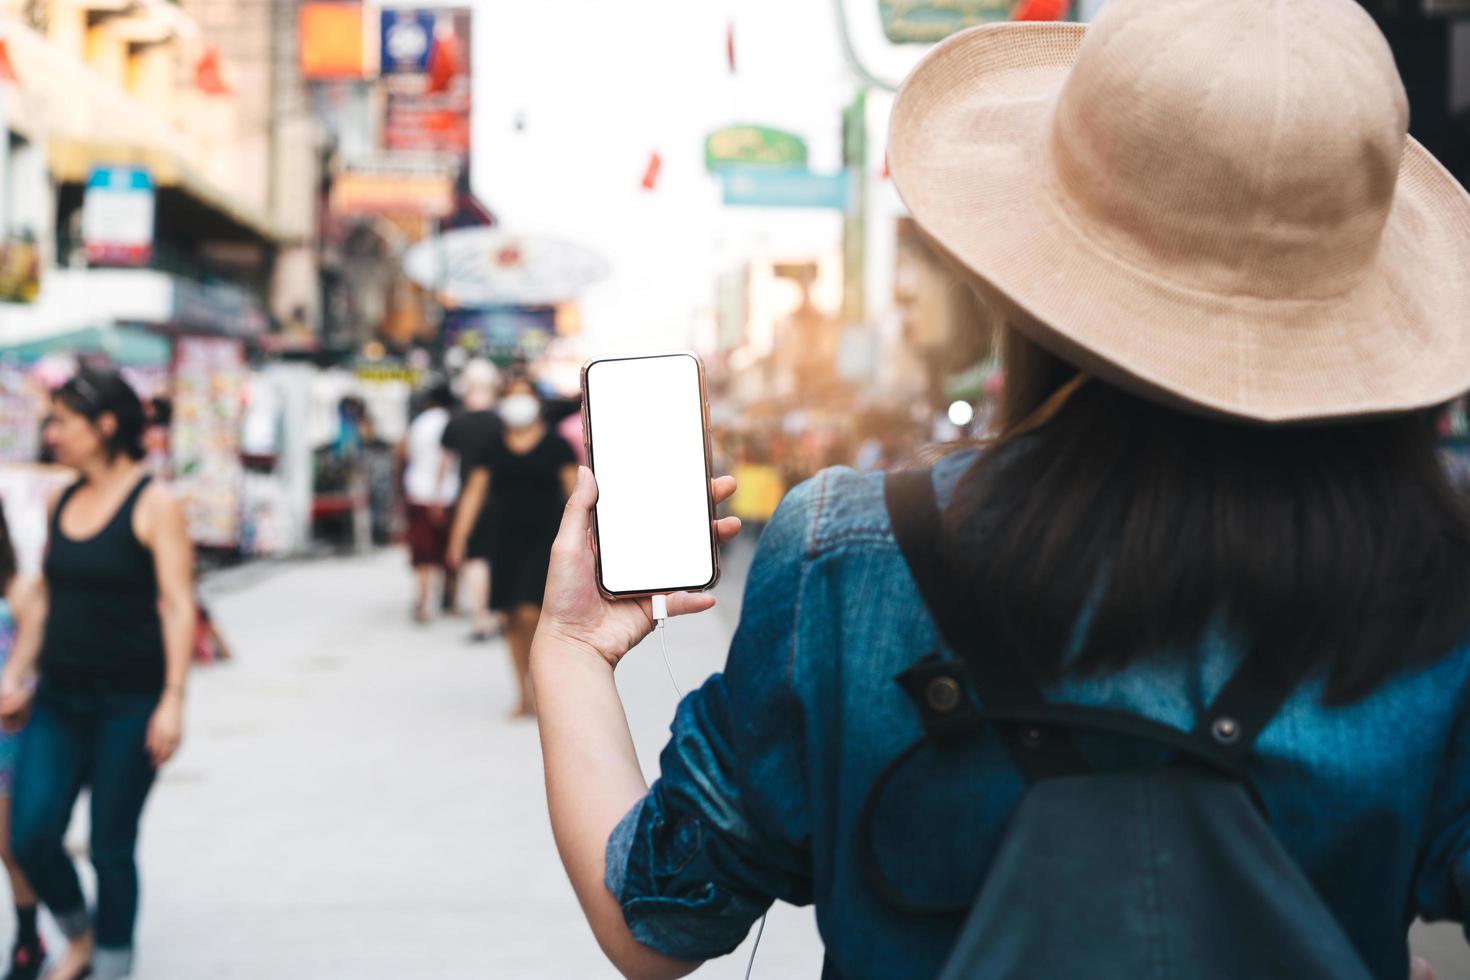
<point>646,420</point>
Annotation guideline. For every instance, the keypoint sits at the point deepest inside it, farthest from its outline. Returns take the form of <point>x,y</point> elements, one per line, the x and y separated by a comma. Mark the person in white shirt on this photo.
<point>430,488</point>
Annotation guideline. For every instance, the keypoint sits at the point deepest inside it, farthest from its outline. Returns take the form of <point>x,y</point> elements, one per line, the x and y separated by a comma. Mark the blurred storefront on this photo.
<point>390,89</point>
<point>144,236</point>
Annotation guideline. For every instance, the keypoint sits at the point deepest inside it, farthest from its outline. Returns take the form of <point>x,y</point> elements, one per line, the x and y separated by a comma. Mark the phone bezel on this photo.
<point>708,475</point>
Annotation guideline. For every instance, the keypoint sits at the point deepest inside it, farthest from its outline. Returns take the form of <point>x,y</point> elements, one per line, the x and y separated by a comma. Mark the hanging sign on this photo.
<point>476,267</point>
<point>117,216</point>
<point>930,21</point>
<point>407,37</point>
<point>761,187</point>
<point>753,146</point>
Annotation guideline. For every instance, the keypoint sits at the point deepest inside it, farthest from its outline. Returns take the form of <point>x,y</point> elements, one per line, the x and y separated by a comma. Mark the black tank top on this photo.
<point>103,631</point>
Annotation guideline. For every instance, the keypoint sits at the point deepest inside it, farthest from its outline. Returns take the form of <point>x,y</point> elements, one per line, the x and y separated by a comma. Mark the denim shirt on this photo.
<point>769,763</point>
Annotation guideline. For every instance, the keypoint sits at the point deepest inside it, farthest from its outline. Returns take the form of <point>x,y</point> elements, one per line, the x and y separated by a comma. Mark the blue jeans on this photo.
<point>97,740</point>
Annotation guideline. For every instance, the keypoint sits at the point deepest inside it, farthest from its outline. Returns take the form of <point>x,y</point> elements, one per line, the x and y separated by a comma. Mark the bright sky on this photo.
<point>602,85</point>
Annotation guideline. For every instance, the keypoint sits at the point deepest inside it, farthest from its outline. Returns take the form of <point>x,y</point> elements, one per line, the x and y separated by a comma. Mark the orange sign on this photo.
<point>332,41</point>
<point>388,192</point>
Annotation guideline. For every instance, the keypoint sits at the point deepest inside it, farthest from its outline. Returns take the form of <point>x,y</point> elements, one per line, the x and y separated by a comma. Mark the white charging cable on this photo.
<point>660,605</point>
<point>660,617</point>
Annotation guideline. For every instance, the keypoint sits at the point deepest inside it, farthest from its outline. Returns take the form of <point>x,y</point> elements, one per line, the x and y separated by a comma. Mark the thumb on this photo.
<point>577,519</point>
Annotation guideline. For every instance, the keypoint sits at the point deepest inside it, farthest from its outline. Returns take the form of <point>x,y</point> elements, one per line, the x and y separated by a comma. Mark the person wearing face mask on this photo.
<point>519,484</point>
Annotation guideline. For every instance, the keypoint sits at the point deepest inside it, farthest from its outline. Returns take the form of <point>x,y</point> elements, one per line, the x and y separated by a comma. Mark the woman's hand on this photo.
<point>166,729</point>
<point>576,613</point>
<point>16,691</point>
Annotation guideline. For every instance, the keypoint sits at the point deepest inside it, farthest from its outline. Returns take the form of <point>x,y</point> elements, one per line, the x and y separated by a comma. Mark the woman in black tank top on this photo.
<point>110,639</point>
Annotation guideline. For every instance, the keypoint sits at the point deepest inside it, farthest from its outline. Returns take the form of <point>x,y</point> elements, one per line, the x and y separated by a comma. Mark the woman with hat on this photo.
<point>1235,294</point>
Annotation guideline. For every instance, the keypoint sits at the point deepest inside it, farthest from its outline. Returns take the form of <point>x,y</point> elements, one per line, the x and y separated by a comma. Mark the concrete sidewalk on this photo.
<point>353,802</point>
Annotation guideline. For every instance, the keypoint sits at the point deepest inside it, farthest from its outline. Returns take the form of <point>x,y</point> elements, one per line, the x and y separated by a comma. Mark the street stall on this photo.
<point>29,371</point>
<point>358,413</point>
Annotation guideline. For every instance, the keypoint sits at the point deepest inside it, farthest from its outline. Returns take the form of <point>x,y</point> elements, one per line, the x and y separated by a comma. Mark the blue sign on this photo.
<point>761,187</point>
<point>120,179</point>
<point>408,36</point>
<point>502,331</point>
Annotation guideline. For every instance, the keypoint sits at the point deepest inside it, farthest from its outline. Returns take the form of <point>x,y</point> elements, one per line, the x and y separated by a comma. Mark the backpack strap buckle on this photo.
<point>940,689</point>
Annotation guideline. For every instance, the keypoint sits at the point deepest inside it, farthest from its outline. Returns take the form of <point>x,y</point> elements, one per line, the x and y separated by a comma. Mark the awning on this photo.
<point>124,346</point>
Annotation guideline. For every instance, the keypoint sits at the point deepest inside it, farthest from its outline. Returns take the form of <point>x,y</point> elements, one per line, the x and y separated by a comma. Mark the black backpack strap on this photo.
<point>1001,681</point>
<point>1248,701</point>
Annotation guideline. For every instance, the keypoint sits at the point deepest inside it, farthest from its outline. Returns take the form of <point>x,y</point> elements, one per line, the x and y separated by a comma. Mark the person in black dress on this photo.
<point>110,632</point>
<point>525,477</point>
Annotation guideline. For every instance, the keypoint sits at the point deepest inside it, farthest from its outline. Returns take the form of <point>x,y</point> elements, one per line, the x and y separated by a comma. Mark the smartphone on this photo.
<point>646,424</point>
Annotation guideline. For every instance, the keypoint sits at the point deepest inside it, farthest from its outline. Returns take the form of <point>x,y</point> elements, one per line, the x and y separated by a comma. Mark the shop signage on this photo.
<point>427,60</point>
<point>782,188</point>
<point>478,267</point>
<point>753,146</point>
<point>394,190</point>
<point>332,41</point>
<point>383,372</point>
<point>407,37</point>
<point>502,332</point>
<point>418,123</point>
<point>928,21</point>
<point>117,216</point>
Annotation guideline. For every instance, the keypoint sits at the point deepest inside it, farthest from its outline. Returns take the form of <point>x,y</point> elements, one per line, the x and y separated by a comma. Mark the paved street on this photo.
<point>353,802</point>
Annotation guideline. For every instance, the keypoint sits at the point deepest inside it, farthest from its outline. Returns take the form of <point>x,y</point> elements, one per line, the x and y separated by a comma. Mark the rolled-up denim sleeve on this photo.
<point>1442,883</point>
<point>724,831</point>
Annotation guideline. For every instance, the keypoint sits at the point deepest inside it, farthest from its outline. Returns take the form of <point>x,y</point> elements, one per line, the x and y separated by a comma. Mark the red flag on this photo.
<point>730,45</point>
<point>444,60</point>
<point>650,175</point>
<point>208,76</point>
<point>1040,10</point>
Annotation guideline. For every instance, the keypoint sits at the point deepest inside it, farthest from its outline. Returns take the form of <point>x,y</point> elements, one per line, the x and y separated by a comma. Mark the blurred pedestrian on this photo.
<point>28,954</point>
<point>156,436</point>
<point>1170,678</point>
<point>430,489</point>
<point>469,435</point>
<point>526,477</point>
<point>111,632</point>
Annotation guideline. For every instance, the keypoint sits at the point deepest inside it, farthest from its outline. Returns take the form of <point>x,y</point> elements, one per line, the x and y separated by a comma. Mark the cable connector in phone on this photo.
<point>660,606</point>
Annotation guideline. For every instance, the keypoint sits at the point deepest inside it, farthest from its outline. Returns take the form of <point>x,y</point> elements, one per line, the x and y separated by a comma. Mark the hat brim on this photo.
<point>966,154</point>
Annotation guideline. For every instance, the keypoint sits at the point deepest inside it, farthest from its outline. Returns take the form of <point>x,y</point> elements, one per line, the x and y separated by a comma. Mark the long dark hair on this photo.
<point>1344,544</point>
<point>95,392</point>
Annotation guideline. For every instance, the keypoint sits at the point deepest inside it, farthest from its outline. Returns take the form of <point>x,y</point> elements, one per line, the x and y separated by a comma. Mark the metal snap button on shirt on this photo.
<point>1226,730</point>
<point>943,694</point>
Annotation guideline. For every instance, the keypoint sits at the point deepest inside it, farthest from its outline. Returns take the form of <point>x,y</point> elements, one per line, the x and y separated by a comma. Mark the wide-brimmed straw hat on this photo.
<point>1213,202</point>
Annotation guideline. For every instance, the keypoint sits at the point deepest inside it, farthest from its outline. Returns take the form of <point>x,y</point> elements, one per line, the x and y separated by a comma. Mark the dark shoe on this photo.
<point>26,961</point>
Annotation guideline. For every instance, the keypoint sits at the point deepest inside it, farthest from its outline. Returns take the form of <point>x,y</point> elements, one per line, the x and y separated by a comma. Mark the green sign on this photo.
<point>928,21</point>
<point>756,146</point>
